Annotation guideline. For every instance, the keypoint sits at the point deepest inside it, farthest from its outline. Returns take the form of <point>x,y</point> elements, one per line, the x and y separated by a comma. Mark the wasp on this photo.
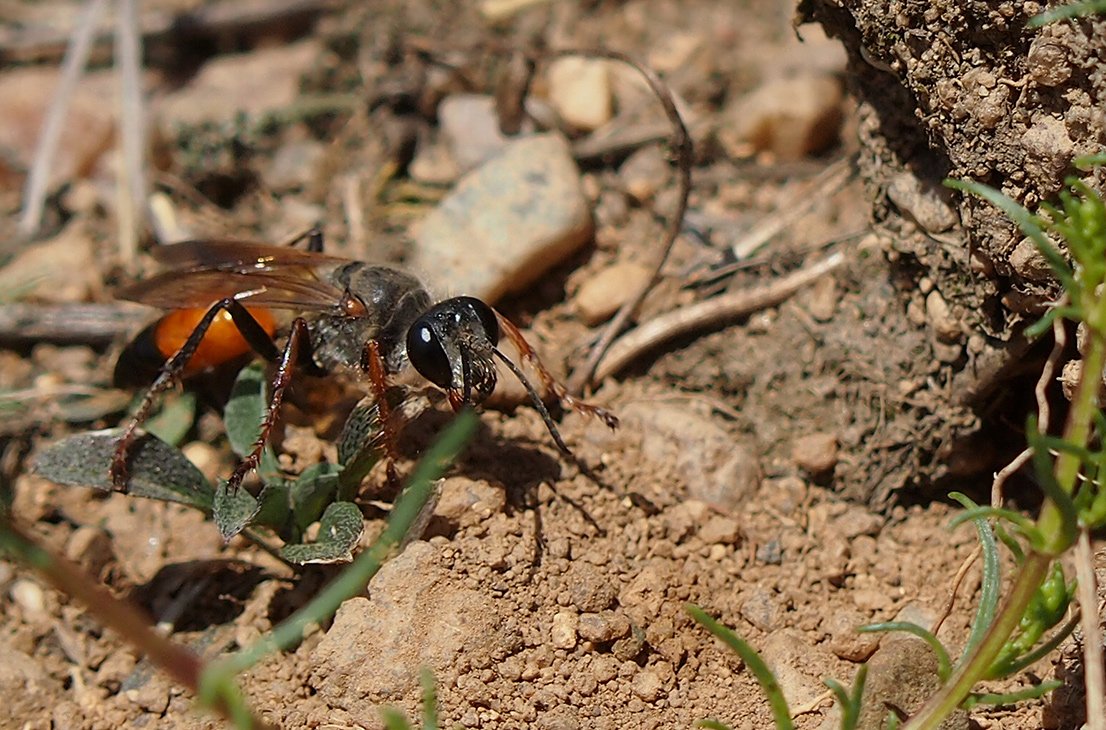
<point>376,321</point>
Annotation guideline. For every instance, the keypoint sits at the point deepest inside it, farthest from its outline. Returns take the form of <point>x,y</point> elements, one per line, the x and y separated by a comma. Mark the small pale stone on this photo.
<point>822,300</point>
<point>647,685</point>
<point>1049,150</point>
<point>798,665</point>
<point>791,117</point>
<point>464,502</point>
<point>29,596</point>
<point>293,165</point>
<point>505,223</point>
<point>720,530</point>
<point>762,609</point>
<point>815,453</point>
<point>940,318</point>
<point>90,547</point>
<point>470,128</point>
<point>600,296</point>
<point>563,633</point>
<point>845,641</point>
<point>1029,263</point>
<point>580,91</point>
<point>643,173</point>
<point>925,203</point>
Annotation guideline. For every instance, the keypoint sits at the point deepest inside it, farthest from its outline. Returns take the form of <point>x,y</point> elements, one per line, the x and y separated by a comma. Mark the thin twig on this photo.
<point>824,185</point>
<point>1059,341</point>
<point>75,324</point>
<point>1094,676</point>
<point>76,55</point>
<point>708,313</point>
<point>681,145</point>
<point>946,610</point>
<point>131,182</point>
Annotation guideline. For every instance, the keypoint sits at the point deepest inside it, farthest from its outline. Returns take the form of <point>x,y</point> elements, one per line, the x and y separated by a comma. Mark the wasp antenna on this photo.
<point>530,356</point>
<point>538,403</point>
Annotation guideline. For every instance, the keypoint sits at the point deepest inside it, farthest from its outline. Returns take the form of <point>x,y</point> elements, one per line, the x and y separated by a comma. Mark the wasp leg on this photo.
<point>530,356</point>
<point>254,334</point>
<point>313,236</point>
<point>372,363</point>
<point>298,340</point>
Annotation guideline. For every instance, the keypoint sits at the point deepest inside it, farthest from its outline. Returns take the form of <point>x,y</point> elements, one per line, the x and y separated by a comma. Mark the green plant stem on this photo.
<point>1030,576</point>
<point>1050,523</point>
<point>180,663</point>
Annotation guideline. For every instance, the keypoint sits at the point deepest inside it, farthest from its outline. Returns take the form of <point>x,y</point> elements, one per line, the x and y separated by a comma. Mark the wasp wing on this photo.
<point>203,272</point>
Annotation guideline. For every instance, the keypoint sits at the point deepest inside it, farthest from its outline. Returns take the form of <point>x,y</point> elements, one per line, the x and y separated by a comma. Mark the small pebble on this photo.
<point>604,626</point>
<point>470,127</point>
<point>845,641</point>
<point>563,633</point>
<point>647,685</point>
<point>790,117</point>
<point>29,596</point>
<point>720,530</point>
<point>580,91</point>
<point>600,296</point>
<point>91,548</point>
<point>822,300</point>
<point>940,318</point>
<point>815,453</point>
<point>644,173</point>
<point>1029,263</point>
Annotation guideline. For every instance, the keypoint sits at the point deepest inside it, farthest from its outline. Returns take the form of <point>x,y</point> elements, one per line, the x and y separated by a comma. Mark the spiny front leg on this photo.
<point>282,378</point>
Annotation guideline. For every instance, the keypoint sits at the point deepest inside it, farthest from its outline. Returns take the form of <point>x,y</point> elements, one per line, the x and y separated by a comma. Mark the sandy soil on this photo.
<point>786,471</point>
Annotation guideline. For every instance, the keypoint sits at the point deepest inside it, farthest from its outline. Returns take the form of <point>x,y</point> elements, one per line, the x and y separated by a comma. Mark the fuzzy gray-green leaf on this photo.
<point>246,407</point>
<point>339,531</point>
<point>157,470</point>
<point>233,510</point>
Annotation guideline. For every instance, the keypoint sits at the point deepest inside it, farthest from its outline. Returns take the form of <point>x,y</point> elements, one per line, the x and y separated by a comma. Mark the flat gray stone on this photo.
<point>506,223</point>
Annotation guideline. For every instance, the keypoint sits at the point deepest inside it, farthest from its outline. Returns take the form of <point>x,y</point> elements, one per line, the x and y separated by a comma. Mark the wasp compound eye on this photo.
<point>486,316</point>
<point>427,355</point>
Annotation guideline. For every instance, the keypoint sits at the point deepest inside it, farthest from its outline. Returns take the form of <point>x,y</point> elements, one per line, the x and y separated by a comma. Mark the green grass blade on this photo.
<point>991,585</point>
<point>1010,698</point>
<point>944,664</point>
<point>756,665</point>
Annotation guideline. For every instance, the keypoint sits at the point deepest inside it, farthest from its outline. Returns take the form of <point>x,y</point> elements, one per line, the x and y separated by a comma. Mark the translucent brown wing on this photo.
<point>202,272</point>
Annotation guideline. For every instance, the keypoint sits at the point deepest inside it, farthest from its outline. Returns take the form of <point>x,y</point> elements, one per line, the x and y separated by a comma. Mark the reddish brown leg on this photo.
<point>550,383</point>
<point>372,363</point>
<point>282,378</point>
<point>170,374</point>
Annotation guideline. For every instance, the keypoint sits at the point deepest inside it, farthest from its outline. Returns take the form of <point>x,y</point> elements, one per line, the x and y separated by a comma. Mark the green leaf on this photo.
<point>157,470</point>
<point>175,419</point>
<point>233,509</point>
<point>850,703</point>
<point>1010,698</point>
<point>756,665</point>
<point>359,445</point>
<point>246,408</point>
<point>339,531</point>
<point>311,493</point>
<point>991,583</point>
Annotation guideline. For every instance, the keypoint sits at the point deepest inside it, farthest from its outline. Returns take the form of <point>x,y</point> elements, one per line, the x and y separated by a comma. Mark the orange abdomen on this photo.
<point>221,343</point>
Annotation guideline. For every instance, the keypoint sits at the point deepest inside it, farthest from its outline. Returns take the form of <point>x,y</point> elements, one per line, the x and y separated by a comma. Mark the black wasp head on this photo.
<point>452,345</point>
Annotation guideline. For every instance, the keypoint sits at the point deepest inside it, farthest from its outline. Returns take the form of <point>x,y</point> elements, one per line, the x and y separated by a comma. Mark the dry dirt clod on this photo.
<point>798,665</point>
<point>1029,263</point>
<point>845,641</point>
<point>815,453</point>
<point>644,173</point>
<point>603,627</point>
<point>944,325</point>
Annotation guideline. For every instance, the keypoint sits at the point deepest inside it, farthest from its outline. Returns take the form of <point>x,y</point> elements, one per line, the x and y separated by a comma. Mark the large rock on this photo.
<point>506,223</point>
